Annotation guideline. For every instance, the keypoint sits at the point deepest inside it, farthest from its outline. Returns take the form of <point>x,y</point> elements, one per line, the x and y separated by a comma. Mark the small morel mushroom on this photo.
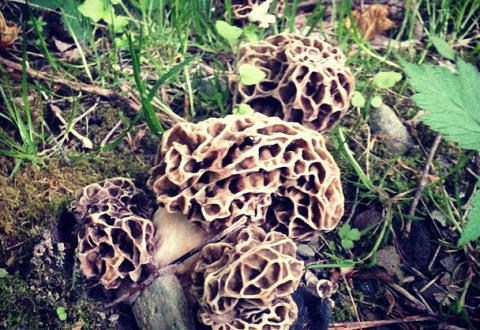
<point>261,170</point>
<point>245,281</point>
<point>115,234</point>
<point>307,80</point>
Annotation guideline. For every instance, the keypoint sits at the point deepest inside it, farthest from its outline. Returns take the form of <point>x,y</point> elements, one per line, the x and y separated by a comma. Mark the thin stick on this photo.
<point>171,266</point>
<point>371,324</point>
<point>422,184</point>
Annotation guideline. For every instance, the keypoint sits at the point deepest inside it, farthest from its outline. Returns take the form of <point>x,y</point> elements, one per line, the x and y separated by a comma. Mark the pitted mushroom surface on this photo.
<point>266,171</point>
<point>307,80</point>
<point>245,281</point>
<point>115,236</point>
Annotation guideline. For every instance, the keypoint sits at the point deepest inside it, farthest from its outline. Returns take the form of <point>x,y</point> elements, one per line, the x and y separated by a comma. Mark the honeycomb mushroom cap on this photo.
<point>117,195</point>
<point>307,80</point>
<point>115,242</point>
<point>245,281</point>
<point>264,170</point>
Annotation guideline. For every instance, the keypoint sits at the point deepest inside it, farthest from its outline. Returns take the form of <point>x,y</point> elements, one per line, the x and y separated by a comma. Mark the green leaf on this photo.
<point>452,101</point>
<point>354,234</point>
<point>251,33</point>
<point>250,74</point>
<point>346,243</point>
<point>376,101</point>
<point>442,47</point>
<point>229,32</point>
<point>472,230</point>
<point>243,109</point>
<point>3,273</point>
<point>358,100</point>
<point>387,79</point>
<point>343,230</point>
<point>118,22</point>
<point>94,9</point>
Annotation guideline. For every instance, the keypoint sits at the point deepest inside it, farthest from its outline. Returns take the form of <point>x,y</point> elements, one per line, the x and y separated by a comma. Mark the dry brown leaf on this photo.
<point>372,21</point>
<point>8,32</point>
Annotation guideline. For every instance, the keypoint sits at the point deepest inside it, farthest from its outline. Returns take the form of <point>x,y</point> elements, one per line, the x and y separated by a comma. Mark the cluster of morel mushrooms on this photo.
<point>269,175</point>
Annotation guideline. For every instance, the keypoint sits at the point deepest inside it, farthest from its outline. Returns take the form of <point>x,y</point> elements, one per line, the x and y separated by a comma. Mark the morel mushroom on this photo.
<point>245,281</point>
<point>115,235</point>
<point>307,80</point>
<point>261,170</point>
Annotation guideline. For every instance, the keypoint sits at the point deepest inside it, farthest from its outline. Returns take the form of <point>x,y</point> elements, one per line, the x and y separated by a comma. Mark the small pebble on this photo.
<point>305,251</point>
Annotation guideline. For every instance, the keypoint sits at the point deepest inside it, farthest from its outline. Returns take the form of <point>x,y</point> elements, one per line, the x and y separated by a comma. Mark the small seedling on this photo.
<point>243,109</point>
<point>61,313</point>
<point>250,74</point>
<point>382,80</point>
<point>348,236</point>
<point>231,33</point>
<point>103,10</point>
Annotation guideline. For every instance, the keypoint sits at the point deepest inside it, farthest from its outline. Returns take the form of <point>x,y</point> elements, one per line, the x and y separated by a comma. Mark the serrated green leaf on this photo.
<point>94,9</point>
<point>386,79</point>
<point>471,231</point>
<point>442,47</point>
<point>354,234</point>
<point>250,74</point>
<point>243,109</point>
<point>376,101</point>
<point>452,101</point>
<point>346,243</point>
<point>358,100</point>
<point>229,32</point>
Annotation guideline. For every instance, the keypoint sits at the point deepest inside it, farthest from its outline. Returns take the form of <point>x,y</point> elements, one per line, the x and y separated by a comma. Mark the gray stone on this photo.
<point>385,123</point>
<point>305,251</point>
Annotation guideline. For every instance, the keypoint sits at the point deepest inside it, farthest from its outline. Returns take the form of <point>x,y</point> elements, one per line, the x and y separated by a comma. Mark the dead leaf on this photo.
<point>8,32</point>
<point>389,259</point>
<point>372,21</point>
<point>62,46</point>
<point>78,325</point>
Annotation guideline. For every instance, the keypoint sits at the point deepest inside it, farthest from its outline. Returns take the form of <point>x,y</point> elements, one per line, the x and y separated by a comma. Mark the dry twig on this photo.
<point>422,184</point>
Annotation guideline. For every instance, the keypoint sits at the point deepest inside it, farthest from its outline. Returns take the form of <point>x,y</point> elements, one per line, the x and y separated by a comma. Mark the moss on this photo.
<point>36,195</point>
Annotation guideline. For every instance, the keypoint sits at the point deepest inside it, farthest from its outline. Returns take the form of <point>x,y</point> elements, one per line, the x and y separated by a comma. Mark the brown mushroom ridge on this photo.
<point>115,240</point>
<point>307,80</point>
<point>245,281</point>
<point>264,170</point>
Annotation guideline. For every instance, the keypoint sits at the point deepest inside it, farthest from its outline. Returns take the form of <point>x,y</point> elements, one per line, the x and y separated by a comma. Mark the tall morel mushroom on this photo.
<point>307,80</point>
<point>245,281</point>
<point>261,170</point>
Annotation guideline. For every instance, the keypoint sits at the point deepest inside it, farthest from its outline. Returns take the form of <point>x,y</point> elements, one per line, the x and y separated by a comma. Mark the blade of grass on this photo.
<point>148,112</point>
